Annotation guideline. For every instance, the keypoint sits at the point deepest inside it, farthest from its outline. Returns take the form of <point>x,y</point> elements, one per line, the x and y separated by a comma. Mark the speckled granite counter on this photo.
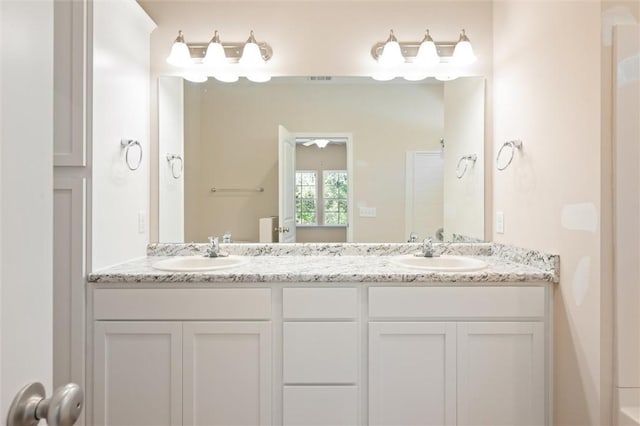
<point>316,263</point>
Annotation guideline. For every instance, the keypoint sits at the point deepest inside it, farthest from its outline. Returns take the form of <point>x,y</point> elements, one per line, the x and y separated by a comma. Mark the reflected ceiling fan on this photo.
<point>320,142</point>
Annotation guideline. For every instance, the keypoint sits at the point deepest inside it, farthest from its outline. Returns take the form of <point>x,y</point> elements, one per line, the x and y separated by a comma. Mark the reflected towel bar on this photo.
<point>259,189</point>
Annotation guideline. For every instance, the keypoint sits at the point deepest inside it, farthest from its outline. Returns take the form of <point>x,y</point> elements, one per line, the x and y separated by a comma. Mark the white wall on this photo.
<point>120,110</point>
<point>171,174</point>
<point>464,135</point>
<point>547,93</point>
<point>26,188</point>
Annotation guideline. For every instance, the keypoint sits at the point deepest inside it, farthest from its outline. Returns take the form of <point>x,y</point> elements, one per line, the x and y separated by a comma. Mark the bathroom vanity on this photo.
<point>323,335</point>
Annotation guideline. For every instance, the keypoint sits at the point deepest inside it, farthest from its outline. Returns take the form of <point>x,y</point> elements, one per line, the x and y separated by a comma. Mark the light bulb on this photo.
<point>463,52</point>
<point>215,52</point>
<point>427,52</point>
<point>180,56</point>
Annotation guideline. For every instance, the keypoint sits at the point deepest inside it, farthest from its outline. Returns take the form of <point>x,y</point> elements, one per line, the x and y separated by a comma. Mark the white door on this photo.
<point>501,374</point>
<point>227,373</point>
<point>424,193</point>
<point>26,114</point>
<point>412,373</point>
<point>286,185</point>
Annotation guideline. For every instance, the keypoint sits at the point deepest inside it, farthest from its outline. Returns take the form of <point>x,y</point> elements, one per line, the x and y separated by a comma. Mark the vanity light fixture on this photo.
<point>417,60</point>
<point>223,61</point>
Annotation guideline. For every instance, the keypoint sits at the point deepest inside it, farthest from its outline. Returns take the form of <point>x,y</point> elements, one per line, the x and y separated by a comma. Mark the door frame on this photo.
<point>348,137</point>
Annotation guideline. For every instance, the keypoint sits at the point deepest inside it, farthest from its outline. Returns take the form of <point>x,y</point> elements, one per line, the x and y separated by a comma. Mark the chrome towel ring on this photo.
<point>174,159</point>
<point>514,144</point>
<point>126,144</point>
<point>464,161</point>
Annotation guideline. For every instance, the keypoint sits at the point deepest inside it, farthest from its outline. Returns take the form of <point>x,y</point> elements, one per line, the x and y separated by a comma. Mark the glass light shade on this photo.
<point>322,143</point>
<point>463,52</point>
<point>427,54</point>
<point>195,77</point>
<point>383,74</point>
<point>415,73</point>
<point>225,76</point>
<point>180,55</point>
<point>391,55</point>
<point>251,56</point>
<point>215,55</point>
<point>258,76</point>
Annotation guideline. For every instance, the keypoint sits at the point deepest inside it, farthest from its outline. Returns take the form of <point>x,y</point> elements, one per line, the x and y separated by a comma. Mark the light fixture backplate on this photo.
<point>233,51</point>
<point>409,49</point>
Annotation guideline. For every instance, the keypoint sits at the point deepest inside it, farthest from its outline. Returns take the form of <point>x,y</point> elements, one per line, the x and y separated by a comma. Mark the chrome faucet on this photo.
<point>413,237</point>
<point>427,248</point>
<point>214,248</point>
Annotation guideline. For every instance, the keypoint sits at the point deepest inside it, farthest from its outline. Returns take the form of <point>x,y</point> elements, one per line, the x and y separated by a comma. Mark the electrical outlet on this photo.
<point>500,222</point>
<point>142,222</point>
<point>368,212</point>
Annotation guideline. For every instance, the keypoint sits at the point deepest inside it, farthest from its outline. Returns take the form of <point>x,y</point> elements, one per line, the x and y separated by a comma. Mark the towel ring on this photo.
<point>172,159</point>
<point>514,144</point>
<point>126,144</point>
<point>464,160</point>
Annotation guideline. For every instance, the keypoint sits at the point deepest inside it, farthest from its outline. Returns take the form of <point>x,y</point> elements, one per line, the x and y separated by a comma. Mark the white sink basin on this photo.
<point>441,263</point>
<point>199,263</point>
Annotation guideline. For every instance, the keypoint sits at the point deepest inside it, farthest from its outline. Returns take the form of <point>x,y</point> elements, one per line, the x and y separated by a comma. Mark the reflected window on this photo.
<point>306,197</point>
<point>334,197</point>
<point>321,202</point>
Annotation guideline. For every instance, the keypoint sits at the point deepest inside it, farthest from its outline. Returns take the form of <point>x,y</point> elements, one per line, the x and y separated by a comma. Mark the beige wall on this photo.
<point>315,38</point>
<point>385,121</point>
<point>547,93</point>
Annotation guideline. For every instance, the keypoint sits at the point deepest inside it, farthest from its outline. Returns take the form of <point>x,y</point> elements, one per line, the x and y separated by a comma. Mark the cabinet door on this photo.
<point>137,373</point>
<point>227,373</point>
<point>320,352</point>
<point>501,373</point>
<point>412,373</point>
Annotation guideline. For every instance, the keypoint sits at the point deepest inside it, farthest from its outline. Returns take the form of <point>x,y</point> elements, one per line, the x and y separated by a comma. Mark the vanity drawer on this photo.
<point>320,405</point>
<point>456,302</point>
<point>182,304</point>
<point>320,303</point>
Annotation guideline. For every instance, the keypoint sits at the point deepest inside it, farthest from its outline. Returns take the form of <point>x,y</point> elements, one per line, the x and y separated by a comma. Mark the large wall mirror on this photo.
<point>349,159</point>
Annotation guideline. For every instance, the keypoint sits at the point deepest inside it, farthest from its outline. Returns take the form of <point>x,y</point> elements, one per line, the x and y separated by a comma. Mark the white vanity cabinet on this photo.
<point>321,354</point>
<point>182,357</point>
<point>458,356</point>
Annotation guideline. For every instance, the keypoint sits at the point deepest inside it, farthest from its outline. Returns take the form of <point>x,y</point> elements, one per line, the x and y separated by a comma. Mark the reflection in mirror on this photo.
<point>400,164</point>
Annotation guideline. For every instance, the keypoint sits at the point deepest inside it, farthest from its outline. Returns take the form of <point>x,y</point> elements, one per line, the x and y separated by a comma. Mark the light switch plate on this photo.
<point>368,212</point>
<point>500,222</point>
<point>142,222</point>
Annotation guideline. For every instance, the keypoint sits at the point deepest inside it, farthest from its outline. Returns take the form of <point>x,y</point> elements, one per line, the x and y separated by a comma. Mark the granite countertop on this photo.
<point>337,263</point>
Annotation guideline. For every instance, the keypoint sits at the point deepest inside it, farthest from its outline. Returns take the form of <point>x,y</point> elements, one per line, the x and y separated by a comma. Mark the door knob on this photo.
<point>281,229</point>
<point>30,406</point>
